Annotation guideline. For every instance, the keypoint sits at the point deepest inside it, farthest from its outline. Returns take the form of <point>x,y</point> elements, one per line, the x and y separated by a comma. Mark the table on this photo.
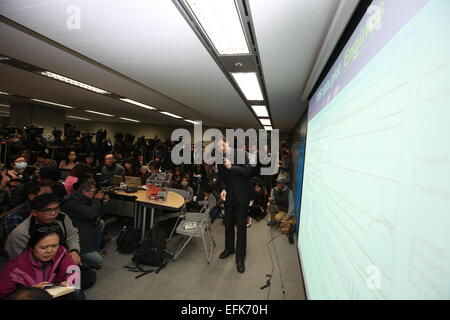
<point>174,201</point>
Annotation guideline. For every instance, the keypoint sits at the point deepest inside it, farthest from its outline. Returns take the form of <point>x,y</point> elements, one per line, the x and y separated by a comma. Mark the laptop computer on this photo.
<point>117,180</point>
<point>133,183</point>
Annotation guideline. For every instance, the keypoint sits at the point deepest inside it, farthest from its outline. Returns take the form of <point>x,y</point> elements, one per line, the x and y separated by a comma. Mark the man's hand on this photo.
<point>41,285</point>
<point>100,195</point>
<point>223,195</point>
<point>63,284</point>
<point>75,257</point>
<point>227,163</point>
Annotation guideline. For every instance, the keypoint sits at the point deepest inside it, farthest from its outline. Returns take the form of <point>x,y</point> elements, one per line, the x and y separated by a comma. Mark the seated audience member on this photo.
<point>140,160</point>
<point>17,215</point>
<point>29,293</point>
<point>69,162</point>
<point>44,159</point>
<point>258,204</point>
<point>44,210</point>
<point>144,173</point>
<point>185,186</point>
<point>81,170</point>
<point>111,169</point>
<point>91,162</point>
<point>118,158</point>
<point>130,167</point>
<point>44,262</point>
<point>13,178</point>
<point>51,176</point>
<point>83,208</point>
<point>205,197</point>
<point>281,202</point>
<point>176,178</point>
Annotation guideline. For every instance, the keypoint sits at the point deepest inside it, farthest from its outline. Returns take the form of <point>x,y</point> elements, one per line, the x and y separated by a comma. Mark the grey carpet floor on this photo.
<point>191,277</point>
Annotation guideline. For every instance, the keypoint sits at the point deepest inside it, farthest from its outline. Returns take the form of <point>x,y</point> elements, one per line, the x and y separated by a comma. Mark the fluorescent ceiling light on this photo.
<point>138,104</point>
<point>248,82</point>
<point>268,128</point>
<point>132,120</point>
<point>193,122</point>
<point>100,113</point>
<point>4,105</point>
<point>265,122</point>
<point>171,115</point>
<point>73,82</point>
<point>79,118</point>
<point>53,103</point>
<point>221,23</point>
<point>261,111</point>
<point>5,93</point>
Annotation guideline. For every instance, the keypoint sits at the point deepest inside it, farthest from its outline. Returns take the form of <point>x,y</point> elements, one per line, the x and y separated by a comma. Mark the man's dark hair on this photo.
<point>44,154</point>
<point>86,185</point>
<point>80,170</point>
<point>29,293</point>
<point>50,173</point>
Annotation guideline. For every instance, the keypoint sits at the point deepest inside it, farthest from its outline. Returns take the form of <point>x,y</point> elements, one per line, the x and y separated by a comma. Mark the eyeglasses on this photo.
<point>48,211</point>
<point>47,229</point>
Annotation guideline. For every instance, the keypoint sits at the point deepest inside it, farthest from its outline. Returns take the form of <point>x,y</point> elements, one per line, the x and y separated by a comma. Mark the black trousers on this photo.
<point>236,215</point>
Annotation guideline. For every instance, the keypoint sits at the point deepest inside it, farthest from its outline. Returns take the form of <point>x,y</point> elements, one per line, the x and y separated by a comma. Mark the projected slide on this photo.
<point>375,209</point>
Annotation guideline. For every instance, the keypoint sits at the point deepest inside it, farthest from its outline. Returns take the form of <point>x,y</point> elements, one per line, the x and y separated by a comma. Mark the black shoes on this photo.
<point>226,254</point>
<point>240,266</point>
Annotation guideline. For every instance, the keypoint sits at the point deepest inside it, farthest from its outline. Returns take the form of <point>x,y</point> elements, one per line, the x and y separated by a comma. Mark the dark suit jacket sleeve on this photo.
<point>241,169</point>
<point>221,176</point>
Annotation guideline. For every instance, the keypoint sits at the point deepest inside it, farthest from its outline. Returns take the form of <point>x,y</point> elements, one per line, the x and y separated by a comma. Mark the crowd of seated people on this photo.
<point>50,220</point>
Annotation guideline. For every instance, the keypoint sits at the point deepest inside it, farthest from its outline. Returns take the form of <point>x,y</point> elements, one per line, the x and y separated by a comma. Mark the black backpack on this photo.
<point>152,252</point>
<point>128,240</point>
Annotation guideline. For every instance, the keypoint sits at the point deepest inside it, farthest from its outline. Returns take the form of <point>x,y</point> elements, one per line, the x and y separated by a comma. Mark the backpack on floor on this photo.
<point>128,240</point>
<point>152,252</point>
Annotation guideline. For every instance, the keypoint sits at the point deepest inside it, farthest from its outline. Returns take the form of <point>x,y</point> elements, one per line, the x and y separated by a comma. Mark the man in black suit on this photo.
<point>234,180</point>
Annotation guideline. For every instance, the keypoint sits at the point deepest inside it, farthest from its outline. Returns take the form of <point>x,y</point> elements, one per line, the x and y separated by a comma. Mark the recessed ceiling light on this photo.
<point>265,122</point>
<point>132,120</point>
<point>171,115</point>
<point>249,85</point>
<point>73,82</point>
<point>268,128</point>
<point>221,23</point>
<point>53,103</point>
<point>193,122</point>
<point>100,113</point>
<point>261,111</point>
<point>138,104</point>
<point>79,118</point>
<point>5,93</point>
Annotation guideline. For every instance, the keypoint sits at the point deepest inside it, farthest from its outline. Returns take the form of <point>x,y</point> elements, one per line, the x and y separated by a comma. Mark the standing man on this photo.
<point>234,180</point>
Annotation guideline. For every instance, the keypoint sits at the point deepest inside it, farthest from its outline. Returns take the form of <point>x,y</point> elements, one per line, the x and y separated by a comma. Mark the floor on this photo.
<point>190,276</point>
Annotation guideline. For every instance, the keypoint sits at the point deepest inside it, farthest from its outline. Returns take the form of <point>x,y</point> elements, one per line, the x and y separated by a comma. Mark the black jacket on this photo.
<point>83,212</point>
<point>236,180</point>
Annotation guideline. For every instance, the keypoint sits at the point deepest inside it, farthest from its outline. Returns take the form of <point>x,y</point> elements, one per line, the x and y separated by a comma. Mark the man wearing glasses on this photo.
<point>44,210</point>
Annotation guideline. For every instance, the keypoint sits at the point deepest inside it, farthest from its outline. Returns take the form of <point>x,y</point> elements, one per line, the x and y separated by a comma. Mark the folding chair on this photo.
<point>177,213</point>
<point>201,223</point>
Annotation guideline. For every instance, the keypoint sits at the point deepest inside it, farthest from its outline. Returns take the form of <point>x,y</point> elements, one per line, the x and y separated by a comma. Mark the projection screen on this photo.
<point>375,209</point>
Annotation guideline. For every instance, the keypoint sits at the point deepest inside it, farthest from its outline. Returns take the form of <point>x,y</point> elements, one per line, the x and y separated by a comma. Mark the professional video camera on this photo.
<point>100,136</point>
<point>7,132</point>
<point>34,139</point>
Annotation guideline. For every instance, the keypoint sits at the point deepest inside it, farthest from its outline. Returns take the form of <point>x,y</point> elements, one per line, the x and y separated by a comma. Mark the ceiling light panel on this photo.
<point>127,119</point>
<point>53,103</point>
<point>73,82</point>
<point>99,113</point>
<point>221,23</point>
<point>261,111</point>
<point>265,122</point>
<point>78,118</point>
<point>171,115</point>
<point>249,85</point>
<point>268,128</point>
<point>138,103</point>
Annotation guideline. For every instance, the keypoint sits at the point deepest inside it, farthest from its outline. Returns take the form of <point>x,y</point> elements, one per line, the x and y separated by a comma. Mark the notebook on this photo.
<point>58,291</point>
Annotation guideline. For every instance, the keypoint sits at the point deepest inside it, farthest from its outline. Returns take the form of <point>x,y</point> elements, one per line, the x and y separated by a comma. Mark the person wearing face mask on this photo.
<point>185,186</point>
<point>13,178</point>
<point>44,262</point>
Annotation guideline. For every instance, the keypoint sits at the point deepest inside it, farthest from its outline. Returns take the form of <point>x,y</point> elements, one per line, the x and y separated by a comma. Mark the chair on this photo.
<point>202,222</point>
<point>168,214</point>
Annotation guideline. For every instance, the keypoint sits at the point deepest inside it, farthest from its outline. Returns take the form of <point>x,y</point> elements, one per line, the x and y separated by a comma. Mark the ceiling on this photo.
<point>146,51</point>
